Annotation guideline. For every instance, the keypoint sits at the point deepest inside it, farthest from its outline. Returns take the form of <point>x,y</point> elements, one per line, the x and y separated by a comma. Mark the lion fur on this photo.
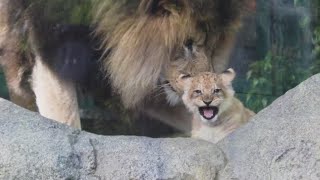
<point>144,37</point>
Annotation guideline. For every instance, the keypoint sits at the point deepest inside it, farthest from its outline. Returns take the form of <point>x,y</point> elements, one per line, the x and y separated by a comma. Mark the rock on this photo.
<point>282,141</point>
<point>33,147</point>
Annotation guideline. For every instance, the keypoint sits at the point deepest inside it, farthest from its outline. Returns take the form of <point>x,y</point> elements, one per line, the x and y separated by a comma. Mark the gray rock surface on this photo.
<point>32,147</point>
<point>282,142</point>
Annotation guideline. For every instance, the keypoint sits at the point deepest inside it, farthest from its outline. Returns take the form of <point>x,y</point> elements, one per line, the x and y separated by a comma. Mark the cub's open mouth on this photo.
<point>208,112</point>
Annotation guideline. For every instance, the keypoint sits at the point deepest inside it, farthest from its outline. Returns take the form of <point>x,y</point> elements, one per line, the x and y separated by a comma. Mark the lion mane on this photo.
<point>142,37</point>
<point>144,45</point>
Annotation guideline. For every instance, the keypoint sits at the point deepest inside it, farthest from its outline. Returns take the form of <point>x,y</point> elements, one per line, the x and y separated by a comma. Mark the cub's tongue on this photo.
<point>208,112</point>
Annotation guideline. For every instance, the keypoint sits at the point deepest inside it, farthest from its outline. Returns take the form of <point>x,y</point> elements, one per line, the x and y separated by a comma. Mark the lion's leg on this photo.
<point>14,67</point>
<point>16,79</point>
<point>56,98</point>
<point>25,101</point>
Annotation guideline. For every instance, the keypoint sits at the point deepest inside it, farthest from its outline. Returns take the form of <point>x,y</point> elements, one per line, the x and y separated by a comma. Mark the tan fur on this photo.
<point>15,71</point>
<point>231,115</point>
<point>55,97</point>
<point>147,41</point>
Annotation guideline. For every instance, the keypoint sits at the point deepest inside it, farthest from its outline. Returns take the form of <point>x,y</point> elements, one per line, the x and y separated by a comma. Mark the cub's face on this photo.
<point>204,93</point>
<point>190,59</point>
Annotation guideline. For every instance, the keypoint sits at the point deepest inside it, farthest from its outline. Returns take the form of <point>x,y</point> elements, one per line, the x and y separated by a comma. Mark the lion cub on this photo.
<point>210,97</point>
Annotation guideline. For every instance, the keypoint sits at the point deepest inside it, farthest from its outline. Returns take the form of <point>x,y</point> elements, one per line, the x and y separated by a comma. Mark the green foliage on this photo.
<point>61,11</point>
<point>316,50</point>
<point>3,88</point>
<point>276,74</point>
<point>272,77</point>
<point>259,95</point>
<point>80,14</point>
<point>288,60</point>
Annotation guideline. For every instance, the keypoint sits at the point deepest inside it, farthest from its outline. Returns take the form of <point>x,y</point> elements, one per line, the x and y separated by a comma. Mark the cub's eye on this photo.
<point>189,44</point>
<point>197,91</point>
<point>216,91</point>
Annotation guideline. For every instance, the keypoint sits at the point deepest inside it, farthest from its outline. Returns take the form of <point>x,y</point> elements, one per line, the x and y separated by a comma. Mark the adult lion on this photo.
<point>145,45</point>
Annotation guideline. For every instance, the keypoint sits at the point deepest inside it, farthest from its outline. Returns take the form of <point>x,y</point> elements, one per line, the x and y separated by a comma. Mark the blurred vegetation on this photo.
<point>272,77</point>
<point>316,51</point>
<point>64,12</point>
<point>293,54</point>
<point>3,88</point>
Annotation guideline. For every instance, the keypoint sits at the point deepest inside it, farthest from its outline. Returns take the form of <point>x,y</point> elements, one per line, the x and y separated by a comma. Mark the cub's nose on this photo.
<point>207,102</point>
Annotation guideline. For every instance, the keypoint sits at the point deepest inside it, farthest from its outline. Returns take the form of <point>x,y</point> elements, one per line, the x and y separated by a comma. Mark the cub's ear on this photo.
<point>160,7</point>
<point>227,76</point>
